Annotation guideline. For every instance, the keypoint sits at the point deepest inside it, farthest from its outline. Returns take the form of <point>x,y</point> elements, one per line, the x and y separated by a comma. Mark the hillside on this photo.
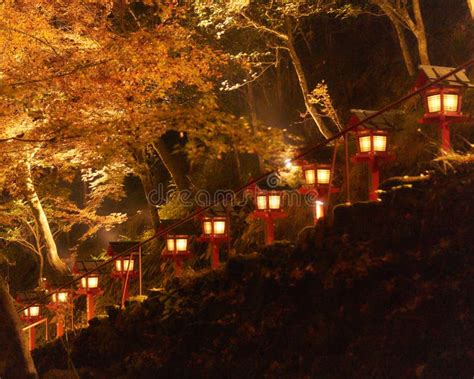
<point>385,292</point>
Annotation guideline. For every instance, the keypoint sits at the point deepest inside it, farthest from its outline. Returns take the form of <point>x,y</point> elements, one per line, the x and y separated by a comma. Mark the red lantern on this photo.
<point>61,303</point>
<point>372,148</point>
<point>128,265</point>
<point>269,206</point>
<point>215,230</point>
<point>125,266</point>
<point>32,313</point>
<point>61,297</point>
<point>177,249</point>
<point>442,101</point>
<point>89,286</point>
<point>317,180</point>
<point>373,144</point>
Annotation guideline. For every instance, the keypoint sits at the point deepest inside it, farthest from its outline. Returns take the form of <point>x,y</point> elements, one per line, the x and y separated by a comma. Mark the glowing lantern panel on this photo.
<point>434,103</point>
<point>450,102</point>
<point>181,245</point>
<point>207,227</point>
<point>261,202</point>
<point>274,201</point>
<point>170,244</point>
<point>310,176</point>
<point>380,143</point>
<point>219,227</point>
<point>365,144</point>
<point>324,175</point>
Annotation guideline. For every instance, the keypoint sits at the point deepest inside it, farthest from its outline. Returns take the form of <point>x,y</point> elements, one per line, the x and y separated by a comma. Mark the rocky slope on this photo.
<point>385,292</point>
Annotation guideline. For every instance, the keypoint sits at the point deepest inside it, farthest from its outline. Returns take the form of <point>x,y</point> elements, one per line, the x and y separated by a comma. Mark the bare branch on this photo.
<point>62,74</point>
<point>40,40</point>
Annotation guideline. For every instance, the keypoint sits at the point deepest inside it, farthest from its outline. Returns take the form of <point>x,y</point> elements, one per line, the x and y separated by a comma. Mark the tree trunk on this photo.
<point>295,59</point>
<point>420,34</point>
<point>173,163</point>
<point>15,359</point>
<point>407,58</point>
<point>152,198</point>
<point>53,264</point>
<point>254,119</point>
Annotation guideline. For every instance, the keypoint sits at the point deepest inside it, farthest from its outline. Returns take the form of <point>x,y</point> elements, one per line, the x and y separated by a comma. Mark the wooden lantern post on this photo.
<point>442,102</point>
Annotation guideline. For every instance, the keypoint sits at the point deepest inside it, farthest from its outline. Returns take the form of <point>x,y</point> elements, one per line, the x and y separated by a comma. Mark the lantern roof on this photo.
<point>81,267</point>
<point>431,73</point>
<point>184,229</point>
<point>118,247</point>
<point>385,121</point>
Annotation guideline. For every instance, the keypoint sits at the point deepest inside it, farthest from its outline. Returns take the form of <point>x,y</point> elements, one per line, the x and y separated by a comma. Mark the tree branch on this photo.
<point>264,28</point>
<point>40,40</point>
<point>60,75</point>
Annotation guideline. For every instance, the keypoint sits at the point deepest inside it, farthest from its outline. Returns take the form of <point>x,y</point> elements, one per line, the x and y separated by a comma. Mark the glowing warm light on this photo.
<point>261,202</point>
<point>214,226</point>
<point>450,102</point>
<point>219,227</point>
<point>170,244</point>
<point>32,311</point>
<point>122,265</point>
<point>365,145</point>
<point>177,244</point>
<point>181,244</point>
<point>207,227</point>
<point>60,297</point>
<point>324,175</point>
<point>274,201</point>
<point>288,164</point>
<point>434,103</point>
<point>310,176</point>
<point>380,143</point>
<point>90,282</point>
<point>319,209</point>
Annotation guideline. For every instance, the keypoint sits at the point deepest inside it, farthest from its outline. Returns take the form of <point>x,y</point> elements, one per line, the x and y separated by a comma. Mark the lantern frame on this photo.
<point>442,113</point>
<point>211,235</point>
<point>364,155</point>
<point>174,252</point>
<point>86,287</point>
<point>317,188</point>
<point>27,315</point>
<point>119,270</point>
<point>56,302</point>
<point>316,181</point>
<point>267,210</point>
